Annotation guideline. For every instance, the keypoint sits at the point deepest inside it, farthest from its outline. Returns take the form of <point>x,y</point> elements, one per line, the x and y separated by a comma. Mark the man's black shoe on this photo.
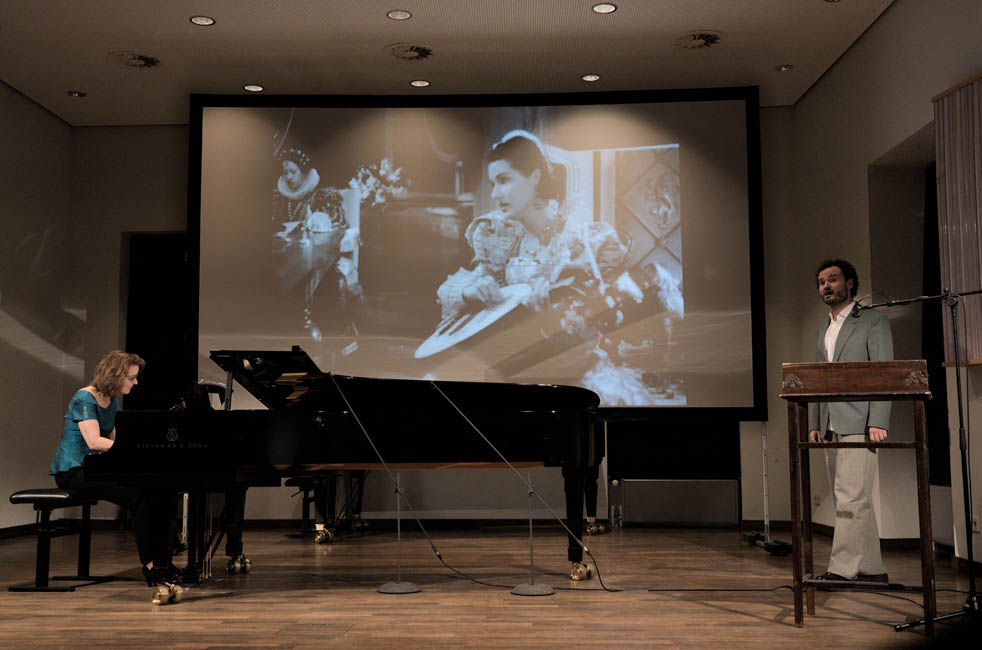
<point>873,577</point>
<point>828,575</point>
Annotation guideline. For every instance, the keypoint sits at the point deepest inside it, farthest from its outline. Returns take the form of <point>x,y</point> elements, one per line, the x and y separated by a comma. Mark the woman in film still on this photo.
<point>536,236</point>
<point>546,249</point>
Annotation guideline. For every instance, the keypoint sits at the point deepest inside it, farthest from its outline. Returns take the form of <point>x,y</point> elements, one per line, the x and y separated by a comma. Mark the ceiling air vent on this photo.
<point>133,60</point>
<point>699,40</point>
<point>408,51</point>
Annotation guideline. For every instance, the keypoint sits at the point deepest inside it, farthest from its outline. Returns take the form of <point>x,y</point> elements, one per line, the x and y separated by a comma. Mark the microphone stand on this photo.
<point>971,607</point>
<point>532,589</point>
<point>398,586</point>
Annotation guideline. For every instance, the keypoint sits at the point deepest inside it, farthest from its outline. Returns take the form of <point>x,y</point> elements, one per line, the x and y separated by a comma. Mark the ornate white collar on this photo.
<point>308,185</point>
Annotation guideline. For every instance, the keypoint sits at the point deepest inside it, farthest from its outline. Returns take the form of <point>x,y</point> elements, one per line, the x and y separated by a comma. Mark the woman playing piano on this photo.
<point>90,429</point>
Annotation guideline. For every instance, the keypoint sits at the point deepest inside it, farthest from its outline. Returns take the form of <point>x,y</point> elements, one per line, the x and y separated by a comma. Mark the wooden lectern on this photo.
<point>852,382</point>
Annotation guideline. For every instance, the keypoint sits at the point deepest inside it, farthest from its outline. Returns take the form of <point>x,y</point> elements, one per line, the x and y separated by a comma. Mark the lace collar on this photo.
<point>308,185</point>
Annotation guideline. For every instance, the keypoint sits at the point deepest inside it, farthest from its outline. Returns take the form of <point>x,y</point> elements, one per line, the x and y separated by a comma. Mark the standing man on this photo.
<point>851,335</point>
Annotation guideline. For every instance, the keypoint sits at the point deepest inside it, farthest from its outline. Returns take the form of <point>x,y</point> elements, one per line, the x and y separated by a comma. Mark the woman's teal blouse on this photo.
<point>73,449</point>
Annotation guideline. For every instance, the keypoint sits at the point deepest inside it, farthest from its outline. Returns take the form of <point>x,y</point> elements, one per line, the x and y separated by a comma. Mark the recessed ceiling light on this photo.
<point>75,93</point>
<point>590,77</point>
<point>419,83</point>
<point>399,14</point>
<point>604,8</point>
<point>253,88</point>
<point>202,21</point>
<point>784,67</point>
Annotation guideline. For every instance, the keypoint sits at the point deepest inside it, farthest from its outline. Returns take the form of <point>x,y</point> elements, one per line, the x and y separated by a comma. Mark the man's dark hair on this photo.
<point>848,272</point>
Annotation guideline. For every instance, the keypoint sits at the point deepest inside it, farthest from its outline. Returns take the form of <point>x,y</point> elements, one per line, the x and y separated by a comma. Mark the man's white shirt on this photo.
<point>832,333</point>
<point>835,325</point>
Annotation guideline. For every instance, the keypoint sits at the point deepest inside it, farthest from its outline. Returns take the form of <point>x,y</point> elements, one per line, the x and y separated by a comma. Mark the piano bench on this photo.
<point>46,500</point>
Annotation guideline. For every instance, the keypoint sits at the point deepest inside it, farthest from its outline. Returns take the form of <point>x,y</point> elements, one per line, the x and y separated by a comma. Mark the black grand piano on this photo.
<point>317,421</point>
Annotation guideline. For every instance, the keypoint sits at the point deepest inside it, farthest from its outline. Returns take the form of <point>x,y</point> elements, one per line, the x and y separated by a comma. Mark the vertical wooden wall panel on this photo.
<point>958,132</point>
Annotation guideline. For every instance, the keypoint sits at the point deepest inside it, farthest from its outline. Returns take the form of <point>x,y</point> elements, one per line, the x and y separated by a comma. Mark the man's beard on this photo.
<point>835,298</point>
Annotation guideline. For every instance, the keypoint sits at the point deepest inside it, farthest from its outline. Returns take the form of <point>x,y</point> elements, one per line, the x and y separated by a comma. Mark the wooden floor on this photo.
<point>676,589</point>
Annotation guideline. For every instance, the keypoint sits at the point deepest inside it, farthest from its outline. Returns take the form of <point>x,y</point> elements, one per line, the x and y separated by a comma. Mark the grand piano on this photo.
<point>316,421</point>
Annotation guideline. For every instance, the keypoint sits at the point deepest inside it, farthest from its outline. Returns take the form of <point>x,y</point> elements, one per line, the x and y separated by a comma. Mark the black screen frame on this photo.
<point>749,95</point>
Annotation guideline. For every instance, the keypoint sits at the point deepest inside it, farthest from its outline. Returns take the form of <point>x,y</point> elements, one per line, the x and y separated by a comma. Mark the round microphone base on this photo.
<point>399,587</point>
<point>533,590</point>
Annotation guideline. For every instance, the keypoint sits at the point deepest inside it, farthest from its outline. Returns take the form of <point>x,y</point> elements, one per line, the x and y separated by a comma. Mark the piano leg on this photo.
<point>346,486</point>
<point>197,536</point>
<point>325,500</point>
<point>356,482</point>
<point>574,479</point>
<point>233,517</point>
<point>234,512</point>
<point>590,486</point>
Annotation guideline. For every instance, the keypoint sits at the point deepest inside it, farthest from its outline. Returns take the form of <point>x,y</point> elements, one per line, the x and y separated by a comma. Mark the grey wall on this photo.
<point>124,179</point>
<point>875,97</point>
<point>36,255</point>
<point>66,197</point>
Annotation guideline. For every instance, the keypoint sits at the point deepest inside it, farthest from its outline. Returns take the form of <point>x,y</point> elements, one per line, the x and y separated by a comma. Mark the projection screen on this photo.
<point>610,242</point>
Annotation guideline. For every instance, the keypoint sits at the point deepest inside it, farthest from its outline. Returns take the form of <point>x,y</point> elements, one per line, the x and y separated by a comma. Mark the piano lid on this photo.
<point>277,378</point>
<point>290,379</point>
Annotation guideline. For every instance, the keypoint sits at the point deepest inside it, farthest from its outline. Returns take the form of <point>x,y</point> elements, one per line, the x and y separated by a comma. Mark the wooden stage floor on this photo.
<point>679,588</point>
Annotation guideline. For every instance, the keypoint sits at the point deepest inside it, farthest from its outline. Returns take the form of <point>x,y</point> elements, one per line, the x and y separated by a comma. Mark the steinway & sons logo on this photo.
<point>172,440</point>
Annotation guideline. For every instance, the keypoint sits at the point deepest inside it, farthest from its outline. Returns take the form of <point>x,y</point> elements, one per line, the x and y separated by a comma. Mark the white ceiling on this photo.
<point>48,47</point>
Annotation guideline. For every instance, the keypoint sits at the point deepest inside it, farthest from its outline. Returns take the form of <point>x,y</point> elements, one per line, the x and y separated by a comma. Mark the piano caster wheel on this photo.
<point>579,571</point>
<point>597,527</point>
<point>167,593</point>
<point>323,536</point>
<point>240,564</point>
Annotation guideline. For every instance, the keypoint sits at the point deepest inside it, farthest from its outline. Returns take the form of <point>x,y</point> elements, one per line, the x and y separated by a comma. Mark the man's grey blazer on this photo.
<point>865,337</point>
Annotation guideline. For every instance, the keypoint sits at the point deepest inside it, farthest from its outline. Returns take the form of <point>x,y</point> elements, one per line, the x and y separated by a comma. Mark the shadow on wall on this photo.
<point>36,316</point>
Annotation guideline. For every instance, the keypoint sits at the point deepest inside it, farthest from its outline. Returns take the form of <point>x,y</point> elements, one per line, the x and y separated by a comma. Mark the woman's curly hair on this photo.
<point>112,370</point>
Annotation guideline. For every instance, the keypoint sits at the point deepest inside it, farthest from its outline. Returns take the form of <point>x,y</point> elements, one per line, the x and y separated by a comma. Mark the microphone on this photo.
<point>855,310</point>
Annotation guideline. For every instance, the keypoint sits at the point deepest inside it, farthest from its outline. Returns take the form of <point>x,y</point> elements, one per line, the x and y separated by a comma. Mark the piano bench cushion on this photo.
<point>51,498</point>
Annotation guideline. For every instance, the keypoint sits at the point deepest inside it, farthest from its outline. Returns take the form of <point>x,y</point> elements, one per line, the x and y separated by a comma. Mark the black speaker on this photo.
<point>674,448</point>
